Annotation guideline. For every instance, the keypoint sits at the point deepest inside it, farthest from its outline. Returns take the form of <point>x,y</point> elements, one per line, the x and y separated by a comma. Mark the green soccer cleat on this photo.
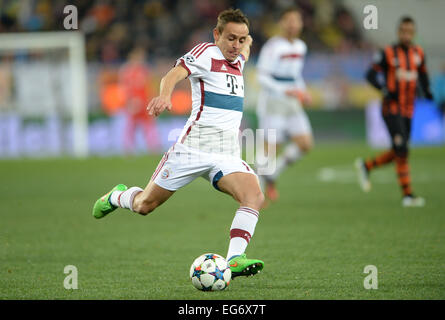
<point>241,266</point>
<point>102,207</point>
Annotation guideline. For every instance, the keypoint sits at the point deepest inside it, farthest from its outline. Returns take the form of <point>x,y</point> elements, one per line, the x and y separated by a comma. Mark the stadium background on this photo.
<point>340,50</point>
<point>323,224</point>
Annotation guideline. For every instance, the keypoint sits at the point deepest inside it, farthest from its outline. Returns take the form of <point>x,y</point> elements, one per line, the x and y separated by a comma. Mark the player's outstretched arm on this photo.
<point>245,51</point>
<point>158,104</point>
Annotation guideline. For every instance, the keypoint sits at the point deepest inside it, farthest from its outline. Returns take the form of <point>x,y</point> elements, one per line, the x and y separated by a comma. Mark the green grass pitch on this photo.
<point>315,241</point>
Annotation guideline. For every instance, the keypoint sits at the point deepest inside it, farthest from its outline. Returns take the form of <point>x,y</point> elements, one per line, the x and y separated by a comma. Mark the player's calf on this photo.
<point>152,197</point>
<point>244,188</point>
<point>144,206</point>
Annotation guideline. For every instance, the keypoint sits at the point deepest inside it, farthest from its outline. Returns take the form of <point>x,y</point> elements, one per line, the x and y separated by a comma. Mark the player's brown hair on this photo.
<point>406,19</point>
<point>231,15</point>
<point>288,10</point>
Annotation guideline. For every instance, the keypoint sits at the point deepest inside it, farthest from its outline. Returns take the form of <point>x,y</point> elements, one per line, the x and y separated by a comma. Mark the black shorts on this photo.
<point>398,127</point>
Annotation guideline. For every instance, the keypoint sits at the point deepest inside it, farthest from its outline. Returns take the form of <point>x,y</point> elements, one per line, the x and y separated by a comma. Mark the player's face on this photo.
<point>231,40</point>
<point>291,24</point>
<point>406,33</point>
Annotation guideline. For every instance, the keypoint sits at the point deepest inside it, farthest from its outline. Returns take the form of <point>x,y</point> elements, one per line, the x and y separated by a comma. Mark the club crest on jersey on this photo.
<point>165,174</point>
<point>190,59</point>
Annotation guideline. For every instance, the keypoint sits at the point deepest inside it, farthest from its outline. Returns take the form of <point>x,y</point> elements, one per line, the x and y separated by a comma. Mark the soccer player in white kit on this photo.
<point>283,92</point>
<point>208,145</point>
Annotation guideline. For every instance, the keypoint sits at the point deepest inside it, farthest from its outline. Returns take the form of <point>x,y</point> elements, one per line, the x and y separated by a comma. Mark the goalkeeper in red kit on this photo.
<point>403,68</point>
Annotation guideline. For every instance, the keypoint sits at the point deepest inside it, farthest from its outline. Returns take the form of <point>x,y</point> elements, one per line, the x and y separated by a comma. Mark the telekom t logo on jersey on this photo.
<point>231,70</point>
<point>231,83</point>
<point>225,66</point>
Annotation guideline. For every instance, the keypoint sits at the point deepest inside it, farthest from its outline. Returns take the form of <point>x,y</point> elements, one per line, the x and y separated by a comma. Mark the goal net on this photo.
<point>43,95</point>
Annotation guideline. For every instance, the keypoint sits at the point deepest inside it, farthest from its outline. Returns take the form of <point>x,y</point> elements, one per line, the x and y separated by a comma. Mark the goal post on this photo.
<point>74,42</point>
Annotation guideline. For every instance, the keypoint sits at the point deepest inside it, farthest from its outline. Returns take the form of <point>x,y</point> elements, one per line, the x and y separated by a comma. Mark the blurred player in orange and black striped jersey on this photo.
<point>403,68</point>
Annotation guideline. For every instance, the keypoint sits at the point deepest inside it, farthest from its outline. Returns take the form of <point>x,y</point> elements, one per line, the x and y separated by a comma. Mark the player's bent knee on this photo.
<point>303,143</point>
<point>401,150</point>
<point>400,145</point>
<point>306,146</point>
<point>253,200</point>
<point>261,198</point>
<point>309,147</point>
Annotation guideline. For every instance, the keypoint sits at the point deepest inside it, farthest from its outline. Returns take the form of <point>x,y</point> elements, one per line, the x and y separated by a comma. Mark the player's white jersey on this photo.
<point>217,100</point>
<point>280,67</point>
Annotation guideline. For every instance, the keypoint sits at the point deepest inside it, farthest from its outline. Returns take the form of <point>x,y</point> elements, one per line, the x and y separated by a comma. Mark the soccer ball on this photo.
<point>210,272</point>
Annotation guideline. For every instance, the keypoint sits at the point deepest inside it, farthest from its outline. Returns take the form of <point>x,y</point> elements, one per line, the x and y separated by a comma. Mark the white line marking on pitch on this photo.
<point>347,174</point>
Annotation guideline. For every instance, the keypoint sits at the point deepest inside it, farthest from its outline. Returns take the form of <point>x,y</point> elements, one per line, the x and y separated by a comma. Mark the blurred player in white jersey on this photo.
<point>283,93</point>
<point>208,145</point>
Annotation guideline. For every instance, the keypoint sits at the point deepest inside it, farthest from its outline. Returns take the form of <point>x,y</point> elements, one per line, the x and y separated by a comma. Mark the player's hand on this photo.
<point>388,95</point>
<point>306,98</point>
<point>157,105</point>
<point>303,96</point>
<point>245,50</point>
<point>429,95</point>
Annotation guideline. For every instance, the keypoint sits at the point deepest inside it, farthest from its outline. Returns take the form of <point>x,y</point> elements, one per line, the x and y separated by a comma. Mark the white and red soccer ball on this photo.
<point>210,272</point>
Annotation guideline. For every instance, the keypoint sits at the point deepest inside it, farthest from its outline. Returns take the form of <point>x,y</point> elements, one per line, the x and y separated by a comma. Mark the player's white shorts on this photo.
<point>295,125</point>
<point>182,164</point>
<point>290,121</point>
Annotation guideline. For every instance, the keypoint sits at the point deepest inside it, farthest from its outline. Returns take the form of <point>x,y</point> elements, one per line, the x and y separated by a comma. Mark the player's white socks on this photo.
<point>290,154</point>
<point>124,199</point>
<point>241,231</point>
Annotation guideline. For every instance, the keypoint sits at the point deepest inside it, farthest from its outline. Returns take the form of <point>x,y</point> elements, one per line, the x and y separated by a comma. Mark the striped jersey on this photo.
<point>401,68</point>
<point>217,100</point>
